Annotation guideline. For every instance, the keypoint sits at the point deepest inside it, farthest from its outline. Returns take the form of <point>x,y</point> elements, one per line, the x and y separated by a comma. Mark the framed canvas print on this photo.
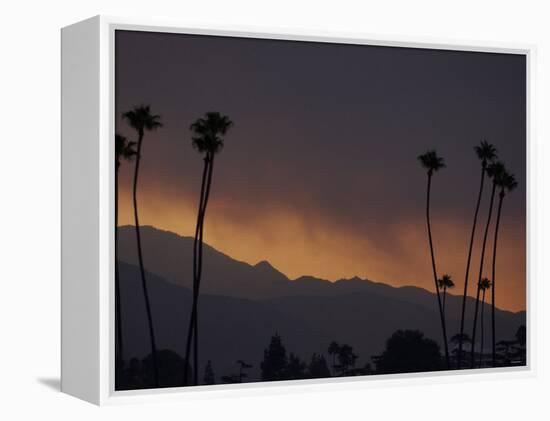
<point>242,210</point>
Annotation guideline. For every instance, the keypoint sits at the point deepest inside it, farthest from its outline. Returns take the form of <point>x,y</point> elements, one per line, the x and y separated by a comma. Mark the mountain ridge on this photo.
<point>165,253</point>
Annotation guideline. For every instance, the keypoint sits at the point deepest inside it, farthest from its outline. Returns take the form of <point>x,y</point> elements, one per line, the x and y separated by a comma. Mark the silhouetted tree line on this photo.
<point>406,351</point>
<point>278,365</point>
<point>144,374</point>
<point>513,352</point>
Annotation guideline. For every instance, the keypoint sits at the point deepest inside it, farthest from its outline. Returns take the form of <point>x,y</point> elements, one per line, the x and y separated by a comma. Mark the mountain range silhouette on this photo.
<point>243,305</point>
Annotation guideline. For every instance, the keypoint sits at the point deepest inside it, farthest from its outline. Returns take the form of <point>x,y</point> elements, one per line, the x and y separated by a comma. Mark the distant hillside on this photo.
<point>171,256</point>
<point>231,328</point>
<point>242,306</point>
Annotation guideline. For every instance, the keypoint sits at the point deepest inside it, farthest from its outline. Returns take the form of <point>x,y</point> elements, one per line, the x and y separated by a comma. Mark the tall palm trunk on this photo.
<point>482,329</point>
<point>119,349</point>
<point>192,334</point>
<point>443,327</point>
<point>493,335</point>
<point>141,267</point>
<point>444,299</point>
<point>472,356</point>
<point>472,236</point>
<point>190,330</point>
<point>199,270</point>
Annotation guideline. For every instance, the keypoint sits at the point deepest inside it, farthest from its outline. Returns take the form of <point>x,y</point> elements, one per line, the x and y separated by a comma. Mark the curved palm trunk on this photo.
<point>482,329</point>
<point>472,355</point>
<point>195,316</point>
<point>197,265</point>
<point>190,330</point>
<point>119,349</point>
<point>199,272</point>
<point>442,317</point>
<point>141,267</point>
<point>495,242</point>
<point>444,299</point>
<point>472,236</point>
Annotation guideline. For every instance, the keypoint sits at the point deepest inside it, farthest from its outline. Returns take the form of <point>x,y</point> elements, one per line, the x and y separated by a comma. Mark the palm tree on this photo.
<point>484,285</point>
<point>507,183</point>
<point>208,139</point>
<point>333,349</point>
<point>141,119</point>
<point>486,153</point>
<point>445,283</point>
<point>124,149</point>
<point>432,163</point>
<point>494,171</point>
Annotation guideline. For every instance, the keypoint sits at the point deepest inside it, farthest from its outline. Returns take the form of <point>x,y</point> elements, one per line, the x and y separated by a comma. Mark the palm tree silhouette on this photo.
<point>433,163</point>
<point>208,139</point>
<point>494,171</point>
<point>124,149</point>
<point>484,285</point>
<point>141,119</point>
<point>507,182</point>
<point>445,283</point>
<point>486,153</point>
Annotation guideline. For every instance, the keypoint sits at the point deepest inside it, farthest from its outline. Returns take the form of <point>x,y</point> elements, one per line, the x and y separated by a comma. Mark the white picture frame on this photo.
<point>88,215</point>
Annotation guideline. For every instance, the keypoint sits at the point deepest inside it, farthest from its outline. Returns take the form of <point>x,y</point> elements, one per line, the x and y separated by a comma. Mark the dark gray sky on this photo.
<point>319,174</point>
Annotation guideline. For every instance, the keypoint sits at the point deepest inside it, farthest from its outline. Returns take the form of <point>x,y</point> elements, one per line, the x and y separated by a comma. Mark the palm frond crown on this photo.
<point>124,149</point>
<point>495,170</point>
<point>484,284</point>
<point>509,182</point>
<point>431,161</point>
<point>208,132</point>
<point>446,281</point>
<point>486,152</point>
<point>141,119</point>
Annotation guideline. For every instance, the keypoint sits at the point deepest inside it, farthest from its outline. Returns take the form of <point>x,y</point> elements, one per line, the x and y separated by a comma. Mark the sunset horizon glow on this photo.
<point>319,257</point>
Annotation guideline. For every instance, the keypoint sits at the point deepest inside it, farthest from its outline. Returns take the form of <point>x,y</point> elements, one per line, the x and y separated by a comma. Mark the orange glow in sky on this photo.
<point>304,244</point>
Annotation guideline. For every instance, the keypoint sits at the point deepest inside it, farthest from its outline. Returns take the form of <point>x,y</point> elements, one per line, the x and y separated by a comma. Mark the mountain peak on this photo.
<point>268,271</point>
<point>264,264</point>
<point>354,279</point>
